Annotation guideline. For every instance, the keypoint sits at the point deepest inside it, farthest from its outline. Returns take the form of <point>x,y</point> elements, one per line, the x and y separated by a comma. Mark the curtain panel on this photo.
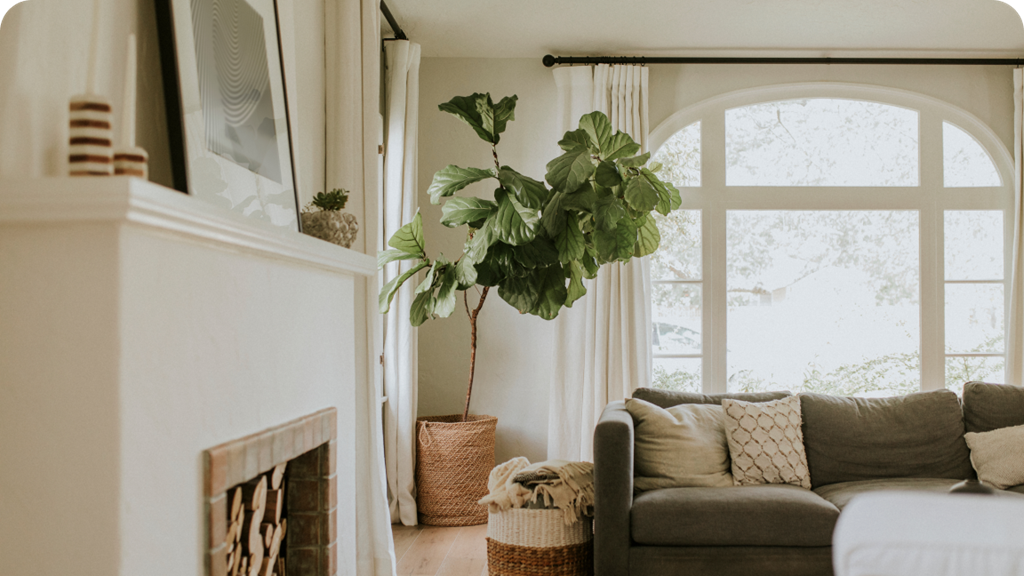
<point>1015,321</point>
<point>400,342</point>
<point>352,96</point>
<point>603,343</point>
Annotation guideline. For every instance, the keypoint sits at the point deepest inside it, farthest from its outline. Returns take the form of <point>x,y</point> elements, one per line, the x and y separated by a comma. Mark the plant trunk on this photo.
<point>472,344</point>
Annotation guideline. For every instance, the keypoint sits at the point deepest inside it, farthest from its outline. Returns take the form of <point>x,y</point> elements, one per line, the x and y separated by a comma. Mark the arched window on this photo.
<point>833,238</point>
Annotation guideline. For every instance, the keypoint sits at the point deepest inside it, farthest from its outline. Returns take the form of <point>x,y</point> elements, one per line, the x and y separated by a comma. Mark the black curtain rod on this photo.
<point>550,60</point>
<point>399,34</point>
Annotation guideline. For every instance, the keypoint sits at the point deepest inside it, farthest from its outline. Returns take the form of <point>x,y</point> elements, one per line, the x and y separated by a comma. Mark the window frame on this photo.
<point>929,198</point>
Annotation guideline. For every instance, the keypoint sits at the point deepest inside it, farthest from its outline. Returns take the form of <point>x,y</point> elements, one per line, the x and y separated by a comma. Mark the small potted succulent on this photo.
<point>323,218</point>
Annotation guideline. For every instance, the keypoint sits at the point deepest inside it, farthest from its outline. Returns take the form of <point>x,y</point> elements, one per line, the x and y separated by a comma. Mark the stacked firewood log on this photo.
<point>255,526</point>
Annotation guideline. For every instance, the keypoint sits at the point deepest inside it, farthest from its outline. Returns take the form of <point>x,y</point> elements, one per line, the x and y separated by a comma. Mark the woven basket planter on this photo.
<point>453,461</point>
<point>523,542</point>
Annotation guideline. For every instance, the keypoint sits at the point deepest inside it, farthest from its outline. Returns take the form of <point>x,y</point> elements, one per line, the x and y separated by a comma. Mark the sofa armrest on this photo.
<point>613,490</point>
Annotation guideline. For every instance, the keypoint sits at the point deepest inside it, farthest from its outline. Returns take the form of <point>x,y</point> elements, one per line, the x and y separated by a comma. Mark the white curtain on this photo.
<point>400,345</point>
<point>602,344</point>
<point>1015,324</point>
<point>352,101</point>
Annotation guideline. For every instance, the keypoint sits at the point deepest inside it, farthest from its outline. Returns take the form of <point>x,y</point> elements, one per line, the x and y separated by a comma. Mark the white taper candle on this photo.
<point>128,105</point>
<point>94,41</point>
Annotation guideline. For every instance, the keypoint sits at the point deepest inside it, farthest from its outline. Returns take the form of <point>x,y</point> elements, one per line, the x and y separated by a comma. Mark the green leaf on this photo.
<point>625,240</point>
<point>495,118</point>
<point>570,170</point>
<point>451,179</point>
<point>514,223</point>
<point>598,128</point>
<point>648,238</point>
<point>467,109</point>
<point>590,266</point>
<point>537,254</point>
<point>606,242</point>
<point>635,161</point>
<point>576,288</point>
<point>551,293</point>
<point>487,275</point>
<point>641,195</point>
<point>476,247</point>
<point>570,243</point>
<point>444,305</point>
<point>607,212</point>
<point>387,293</point>
<point>459,211</point>
<point>388,256</point>
<point>419,312</point>
<point>619,145</point>
<point>465,273</point>
<point>575,139</point>
<point>655,167</point>
<point>669,198</point>
<point>607,175</point>
<point>553,216</point>
<point>529,192</point>
<point>520,293</point>
<point>409,238</point>
<point>584,199</point>
<point>432,274</point>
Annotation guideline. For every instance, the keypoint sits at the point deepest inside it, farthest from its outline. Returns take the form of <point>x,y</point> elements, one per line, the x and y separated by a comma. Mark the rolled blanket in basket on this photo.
<point>568,486</point>
<point>499,484</point>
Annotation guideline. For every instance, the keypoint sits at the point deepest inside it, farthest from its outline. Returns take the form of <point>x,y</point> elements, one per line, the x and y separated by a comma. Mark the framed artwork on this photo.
<point>227,107</point>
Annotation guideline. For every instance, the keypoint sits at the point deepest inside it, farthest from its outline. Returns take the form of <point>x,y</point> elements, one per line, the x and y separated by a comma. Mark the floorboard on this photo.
<point>441,551</point>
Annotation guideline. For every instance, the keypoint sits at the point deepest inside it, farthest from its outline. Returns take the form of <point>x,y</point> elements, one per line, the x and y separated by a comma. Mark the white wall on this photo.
<point>515,352</point>
<point>44,46</point>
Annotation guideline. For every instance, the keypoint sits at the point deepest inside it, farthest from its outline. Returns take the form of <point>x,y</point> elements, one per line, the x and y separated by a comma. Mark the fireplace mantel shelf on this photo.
<point>140,203</point>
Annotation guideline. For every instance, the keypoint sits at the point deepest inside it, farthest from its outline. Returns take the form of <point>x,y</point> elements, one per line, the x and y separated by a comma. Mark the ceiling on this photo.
<point>533,28</point>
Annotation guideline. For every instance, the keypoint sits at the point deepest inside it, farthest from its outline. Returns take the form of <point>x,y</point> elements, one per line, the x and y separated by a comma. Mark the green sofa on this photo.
<point>853,445</point>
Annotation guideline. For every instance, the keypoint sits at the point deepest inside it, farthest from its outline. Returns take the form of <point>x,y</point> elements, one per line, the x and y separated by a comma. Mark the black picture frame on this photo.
<point>264,191</point>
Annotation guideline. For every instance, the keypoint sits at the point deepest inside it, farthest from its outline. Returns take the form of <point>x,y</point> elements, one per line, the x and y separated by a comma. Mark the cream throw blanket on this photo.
<point>568,486</point>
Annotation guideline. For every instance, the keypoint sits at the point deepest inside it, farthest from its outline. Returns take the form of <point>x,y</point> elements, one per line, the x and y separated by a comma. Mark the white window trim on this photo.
<point>713,198</point>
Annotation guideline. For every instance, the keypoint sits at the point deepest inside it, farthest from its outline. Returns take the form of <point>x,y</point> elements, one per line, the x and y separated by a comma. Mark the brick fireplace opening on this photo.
<point>308,449</point>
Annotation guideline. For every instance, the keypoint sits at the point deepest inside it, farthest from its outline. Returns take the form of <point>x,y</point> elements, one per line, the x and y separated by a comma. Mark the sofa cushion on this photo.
<point>991,406</point>
<point>840,494</point>
<point>915,436</point>
<point>767,515</point>
<point>998,455</point>
<point>766,442</point>
<point>680,446</point>
<point>669,398</point>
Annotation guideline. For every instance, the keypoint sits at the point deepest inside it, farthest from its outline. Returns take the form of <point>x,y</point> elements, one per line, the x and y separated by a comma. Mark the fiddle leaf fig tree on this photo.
<point>534,241</point>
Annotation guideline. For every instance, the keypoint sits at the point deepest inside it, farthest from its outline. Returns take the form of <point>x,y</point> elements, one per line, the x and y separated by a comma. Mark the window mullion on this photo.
<point>933,309</point>
<point>714,253</point>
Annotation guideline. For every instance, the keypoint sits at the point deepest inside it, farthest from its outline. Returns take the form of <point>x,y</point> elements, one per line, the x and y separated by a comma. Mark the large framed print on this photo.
<point>227,107</point>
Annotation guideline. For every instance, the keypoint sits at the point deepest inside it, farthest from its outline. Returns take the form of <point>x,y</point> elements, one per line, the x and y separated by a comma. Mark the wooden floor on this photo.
<point>436,551</point>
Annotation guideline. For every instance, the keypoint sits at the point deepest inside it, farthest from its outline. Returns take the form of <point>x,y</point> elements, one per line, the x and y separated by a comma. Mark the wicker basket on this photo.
<point>523,542</point>
<point>453,461</point>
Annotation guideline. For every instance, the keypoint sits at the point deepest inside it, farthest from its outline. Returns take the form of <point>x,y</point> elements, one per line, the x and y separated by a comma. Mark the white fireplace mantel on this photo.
<point>139,327</point>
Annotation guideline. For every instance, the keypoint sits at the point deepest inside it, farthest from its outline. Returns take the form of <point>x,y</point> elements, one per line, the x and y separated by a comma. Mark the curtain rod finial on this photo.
<point>549,60</point>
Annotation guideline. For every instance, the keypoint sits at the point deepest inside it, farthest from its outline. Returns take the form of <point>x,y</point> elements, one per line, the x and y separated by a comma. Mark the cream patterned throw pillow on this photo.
<point>998,455</point>
<point>766,443</point>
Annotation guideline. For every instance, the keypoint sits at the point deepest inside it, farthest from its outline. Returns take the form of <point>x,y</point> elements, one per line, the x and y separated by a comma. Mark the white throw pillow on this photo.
<point>998,455</point>
<point>766,443</point>
<point>681,446</point>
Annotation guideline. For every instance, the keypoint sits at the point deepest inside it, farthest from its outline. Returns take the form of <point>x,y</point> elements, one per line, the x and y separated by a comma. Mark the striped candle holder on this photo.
<point>91,150</point>
<point>131,162</point>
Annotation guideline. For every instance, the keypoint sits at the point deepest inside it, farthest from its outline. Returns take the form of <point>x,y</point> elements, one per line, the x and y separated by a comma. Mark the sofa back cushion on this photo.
<point>683,445</point>
<point>991,406</point>
<point>669,398</point>
<point>915,436</point>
